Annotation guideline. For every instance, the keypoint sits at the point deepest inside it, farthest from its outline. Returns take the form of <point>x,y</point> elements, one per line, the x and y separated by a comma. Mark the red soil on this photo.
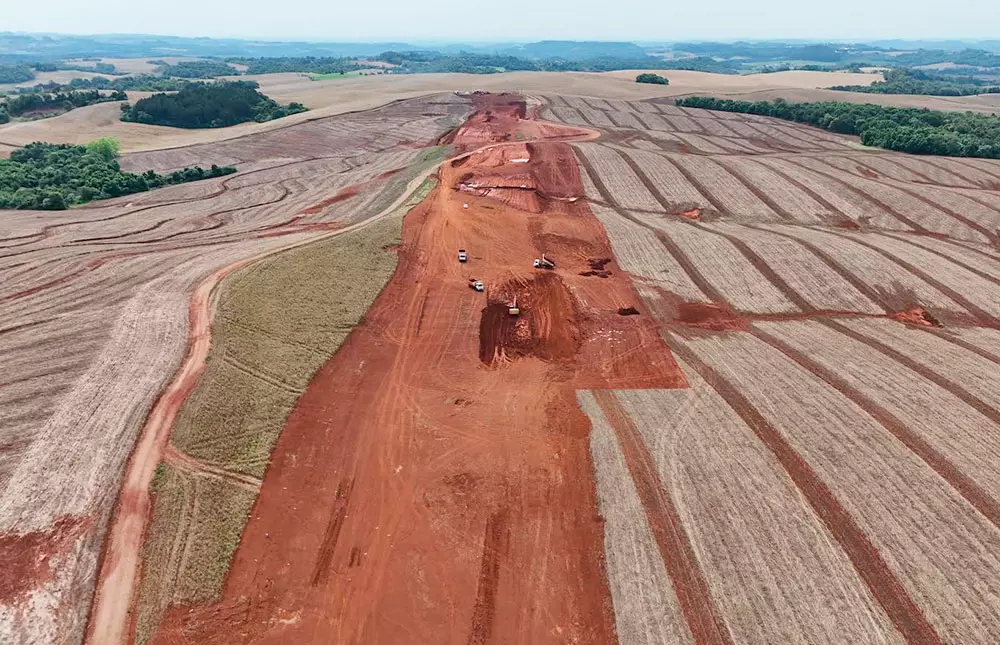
<point>915,316</point>
<point>26,560</point>
<point>344,194</point>
<point>420,494</point>
<point>693,214</point>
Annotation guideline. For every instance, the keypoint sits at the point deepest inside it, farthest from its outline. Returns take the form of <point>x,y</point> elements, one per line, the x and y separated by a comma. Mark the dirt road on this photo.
<point>433,484</point>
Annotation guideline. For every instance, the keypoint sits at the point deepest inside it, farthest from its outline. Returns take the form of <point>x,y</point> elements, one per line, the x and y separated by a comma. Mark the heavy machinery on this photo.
<point>462,257</point>
<point>476,284</point>
<point>512,309</point>
<point>544,263</point>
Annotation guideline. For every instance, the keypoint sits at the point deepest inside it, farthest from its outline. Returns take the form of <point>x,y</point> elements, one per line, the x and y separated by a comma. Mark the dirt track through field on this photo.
<point>109,620</point>
<point>442,492</point>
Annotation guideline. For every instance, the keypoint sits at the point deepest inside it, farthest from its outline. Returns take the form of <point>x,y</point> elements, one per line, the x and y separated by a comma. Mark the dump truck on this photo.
<point>476,284</point>
<point>462,257</point>
<point>544,263</point>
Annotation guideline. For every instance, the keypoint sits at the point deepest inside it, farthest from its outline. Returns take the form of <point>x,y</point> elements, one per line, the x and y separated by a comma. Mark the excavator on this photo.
<point>512,309</point>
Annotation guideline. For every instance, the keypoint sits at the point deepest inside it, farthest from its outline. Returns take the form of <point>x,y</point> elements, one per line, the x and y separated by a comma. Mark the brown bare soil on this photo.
<point>450,499</point>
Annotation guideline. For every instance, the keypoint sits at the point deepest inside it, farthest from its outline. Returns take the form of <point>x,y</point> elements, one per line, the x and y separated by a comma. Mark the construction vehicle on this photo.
<point>462,257</point>
<point>512,309</point>
<point>544,263</point>
<point>476,284</point>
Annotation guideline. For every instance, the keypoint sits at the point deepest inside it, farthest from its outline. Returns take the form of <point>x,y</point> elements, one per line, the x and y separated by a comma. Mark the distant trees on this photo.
<point>914,81</point>
<point>28,102</point>
<point>56,176</point>
<point>654,79</point>
<point>215,105</point>
<point>198,69</point>
<point>301,64</point>
<point>913,130</point>
<point>16,73</point>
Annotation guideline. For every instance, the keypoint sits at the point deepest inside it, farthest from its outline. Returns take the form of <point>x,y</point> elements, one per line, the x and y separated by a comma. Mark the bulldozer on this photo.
<point>544,263</point>
<point>476,284</point>
<point>513,309</point>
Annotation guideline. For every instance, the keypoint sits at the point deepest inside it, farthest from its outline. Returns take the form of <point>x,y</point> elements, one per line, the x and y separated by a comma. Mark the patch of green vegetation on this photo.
<point>912,130</point>
<point>216,105</point>
<point>652,79</point>
<point>50,176</point>
<point>326,77</point>
<point>197,69</point>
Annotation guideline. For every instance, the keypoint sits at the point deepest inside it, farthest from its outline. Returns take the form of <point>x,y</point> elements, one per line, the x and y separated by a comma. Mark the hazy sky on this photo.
<point>463,20</point>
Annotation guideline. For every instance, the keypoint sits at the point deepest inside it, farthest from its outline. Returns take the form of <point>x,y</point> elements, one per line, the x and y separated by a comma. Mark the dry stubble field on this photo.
<point>95,322</point>
<point>830,474</point>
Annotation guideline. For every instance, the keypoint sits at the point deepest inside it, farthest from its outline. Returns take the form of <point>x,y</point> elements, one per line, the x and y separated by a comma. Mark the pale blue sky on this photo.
<point>463,20</point>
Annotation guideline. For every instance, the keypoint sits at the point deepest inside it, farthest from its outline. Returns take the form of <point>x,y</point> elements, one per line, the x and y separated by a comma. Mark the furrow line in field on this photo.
<point>761,195</point>
<point>679,256</point>
<point>982,274</point>
<point>698,185</point>
<point>978,497</point>
<point>674,544</point>
<point>959,342</point>
<point>956,390</point>
<point>867,561</point>
<point>840,270</point>
<point>984,317</point>
<point>763,267</point>
<point>871,198</point>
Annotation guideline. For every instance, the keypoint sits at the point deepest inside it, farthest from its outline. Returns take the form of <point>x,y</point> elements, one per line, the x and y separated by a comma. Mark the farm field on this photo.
<point>753,401</point>
<point>95,323</point>
<point>337,96</point>
<point>834,314</point>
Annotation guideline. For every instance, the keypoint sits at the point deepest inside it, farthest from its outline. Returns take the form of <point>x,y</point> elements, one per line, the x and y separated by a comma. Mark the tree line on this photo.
<point>202,105</point>
<point>300,64</point>
<point>197,69</point>
<point>914,81</point>
<point>21,104</point>
<point>49,176</point>
<point>912,130</point>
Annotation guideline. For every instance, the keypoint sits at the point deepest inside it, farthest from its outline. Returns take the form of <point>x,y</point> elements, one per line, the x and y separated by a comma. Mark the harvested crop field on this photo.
<point>750,400</point>
<point>97,304</point>
<point>839,423</point>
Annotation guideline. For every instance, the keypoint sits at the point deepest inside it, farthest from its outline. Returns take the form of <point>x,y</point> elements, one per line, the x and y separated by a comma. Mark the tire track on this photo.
<point>690,587</point>
<point>338,513</point>
<point>495,540</point>
<point>867,561</point>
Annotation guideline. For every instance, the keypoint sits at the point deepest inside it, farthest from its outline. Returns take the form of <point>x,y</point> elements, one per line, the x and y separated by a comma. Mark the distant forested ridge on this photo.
<point>51,176</point>
<point>301,64</point>
<point>914,81</point>
<point>215,105</point>
<point>913,130</point>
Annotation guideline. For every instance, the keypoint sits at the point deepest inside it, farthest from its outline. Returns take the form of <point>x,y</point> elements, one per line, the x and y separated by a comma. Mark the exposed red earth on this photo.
<point>433,484</point>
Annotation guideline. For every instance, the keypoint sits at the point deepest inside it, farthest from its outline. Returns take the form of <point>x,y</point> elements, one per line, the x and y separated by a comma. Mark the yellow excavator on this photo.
<point>512,309</point>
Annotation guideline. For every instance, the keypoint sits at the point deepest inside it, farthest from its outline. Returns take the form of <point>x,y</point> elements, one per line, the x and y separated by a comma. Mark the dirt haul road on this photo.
<point>433,484</point>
